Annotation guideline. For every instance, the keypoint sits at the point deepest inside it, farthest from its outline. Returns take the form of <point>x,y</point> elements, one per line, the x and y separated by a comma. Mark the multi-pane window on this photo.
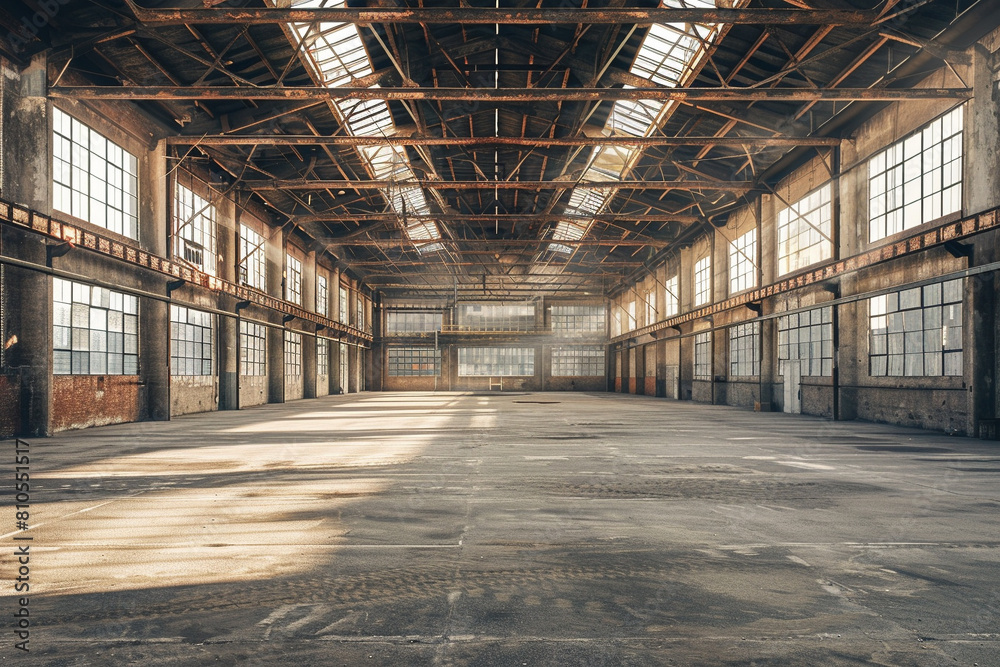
<point>293,354</point>
<point>496,361</point>
<point>918,179</point>
<point>804,231</point>
<point>411,361</point>
<point>672,302</point>
<point>743,262</point>
<point>194,229</point>
<point>497,316</point>
<point>251,260</point>
<point>190,341</point>
<point>399,322</point>
<point>703,281</point>
<point>95,330</point>
<point>344,366</point>
<point>744,350</point>
<point>650,302</point>
<point>293,279</point>
<point>703,355</point>
<point>252,349</point>
<point>359,319</point>
<point>343,303</point>
<point>93,178</point>
<point>578,361</point>
<point>616,321</point>
<point>630,323</point>
<point>322,357</point>
<point>917,332</point>
<point>578,319</point>
<point>807,337</point>
<point>322,296</point>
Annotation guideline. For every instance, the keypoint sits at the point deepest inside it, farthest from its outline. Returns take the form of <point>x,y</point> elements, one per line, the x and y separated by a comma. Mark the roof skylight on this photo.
<point>669,55</point>
<point>338,55</point>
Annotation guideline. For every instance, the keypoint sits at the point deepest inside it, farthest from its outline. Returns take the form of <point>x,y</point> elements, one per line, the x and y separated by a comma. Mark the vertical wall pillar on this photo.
<point>228,337</point>
<point>275,365</point>
<point>154,315</point>
<point>29,293</point>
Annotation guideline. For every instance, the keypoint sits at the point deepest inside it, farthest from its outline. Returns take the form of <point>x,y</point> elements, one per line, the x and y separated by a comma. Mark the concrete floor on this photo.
<point>531,529</point>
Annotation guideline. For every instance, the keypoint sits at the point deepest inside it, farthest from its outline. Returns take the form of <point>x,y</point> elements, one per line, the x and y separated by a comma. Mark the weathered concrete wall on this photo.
<point>190,394</point>
<point>294,387</point>
<point>742,393</point>
<point>410,383</point>
<point>253,390</point>
<point>81,401</point>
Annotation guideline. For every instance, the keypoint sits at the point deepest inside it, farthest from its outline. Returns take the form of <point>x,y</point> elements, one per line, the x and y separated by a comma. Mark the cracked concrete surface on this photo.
<point>469,529</point>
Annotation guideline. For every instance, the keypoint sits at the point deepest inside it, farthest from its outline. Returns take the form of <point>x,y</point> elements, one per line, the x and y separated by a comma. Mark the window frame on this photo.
<point>743,262</point>
<point>703,281</point>
<point>891,166</point>
<point>293,279</point>
<point>415,358</point>
<point>702,367</point>
<point>577,361</point>
<point>75,336</point>
<point>190,341</point>
<point>791,256</point>
<point>72,181</point>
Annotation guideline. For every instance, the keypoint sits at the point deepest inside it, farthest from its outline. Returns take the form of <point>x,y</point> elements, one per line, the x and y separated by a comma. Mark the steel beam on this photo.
<point>495,217</point>
<point>498,245</point>
<point>504,95</point>
<point>316,184</point>
<point>490,16</point>
<point>312,140</point>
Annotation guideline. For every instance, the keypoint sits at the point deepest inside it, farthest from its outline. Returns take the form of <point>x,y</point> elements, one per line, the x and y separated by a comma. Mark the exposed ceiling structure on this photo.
<point>502,149</point>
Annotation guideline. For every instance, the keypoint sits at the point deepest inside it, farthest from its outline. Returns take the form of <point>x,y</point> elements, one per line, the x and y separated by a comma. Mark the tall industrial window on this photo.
<point>194,229</point>
<point>322,357</point>
<point>411,361</point>
<point>744,350</point>
<point>672,302</point>
<point>578,361</point>
<point>190,341</point>
<point>95,330</point>
<point>616,321</point>
<point>496,361</point>
<point>93,178</point>
<point>917,332</point>
<point>630,316</point>
<point>918,179</point>
<point>251,260</point>
<point>804,231</point>
<point>703,355</point>
<point>293,280</point>
<point>293,354</point>
<point>359,320</point>
<point>703,281</point>
<point>808,338</point>
<point>649,299</point>
<point>253,346</point>
<point>400,322</point>
<point>322,296</point>
<point>496,316</point>
<point>578,319</point>
<point>743,262</point>
<point>343,303</point>
<point>344,367</point>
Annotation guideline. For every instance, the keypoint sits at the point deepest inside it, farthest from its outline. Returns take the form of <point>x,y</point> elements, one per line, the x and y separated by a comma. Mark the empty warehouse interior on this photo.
<point>502,333</point>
